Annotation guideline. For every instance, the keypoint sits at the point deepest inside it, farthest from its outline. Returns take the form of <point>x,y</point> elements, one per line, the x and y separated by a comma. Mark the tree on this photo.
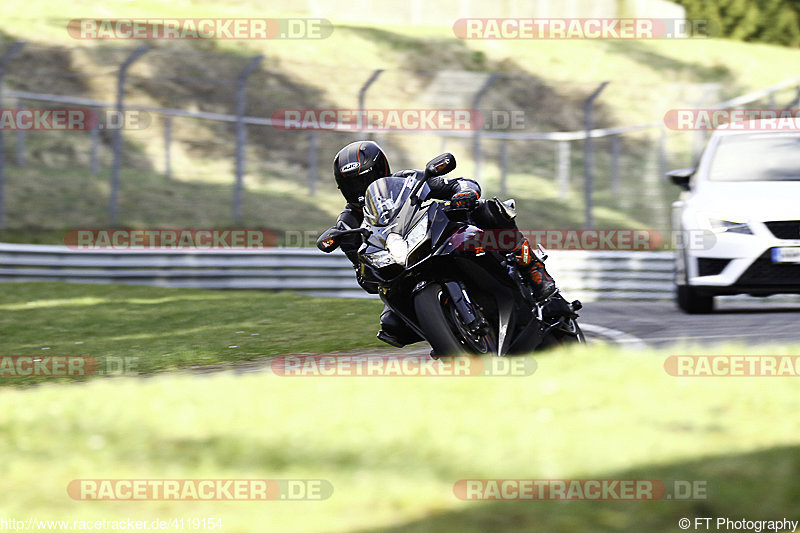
<point>767,21</point>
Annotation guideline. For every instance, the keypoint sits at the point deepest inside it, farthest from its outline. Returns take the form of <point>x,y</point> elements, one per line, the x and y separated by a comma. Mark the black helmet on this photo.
<point>356,166</point>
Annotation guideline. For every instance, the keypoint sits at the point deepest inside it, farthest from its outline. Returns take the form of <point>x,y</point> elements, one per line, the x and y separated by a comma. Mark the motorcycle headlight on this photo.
<point>418,233</point>
<point>380,259</point>
<point>397,247</point>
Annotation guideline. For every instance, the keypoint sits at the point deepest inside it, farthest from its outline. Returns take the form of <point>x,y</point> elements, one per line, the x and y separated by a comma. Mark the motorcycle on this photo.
<point>461,299</point>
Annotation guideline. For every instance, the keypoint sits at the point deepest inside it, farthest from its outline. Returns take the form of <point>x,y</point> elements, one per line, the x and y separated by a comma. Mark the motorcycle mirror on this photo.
<point>331,239</point>
<point>328,241</point>
<point>440,165</point>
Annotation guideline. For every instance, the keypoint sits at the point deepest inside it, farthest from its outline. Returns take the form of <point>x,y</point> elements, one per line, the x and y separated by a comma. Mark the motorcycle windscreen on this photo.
<point>386,198</point>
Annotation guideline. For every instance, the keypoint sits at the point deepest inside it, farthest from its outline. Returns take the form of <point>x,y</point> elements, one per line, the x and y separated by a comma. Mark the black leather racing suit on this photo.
<point>486,215</point>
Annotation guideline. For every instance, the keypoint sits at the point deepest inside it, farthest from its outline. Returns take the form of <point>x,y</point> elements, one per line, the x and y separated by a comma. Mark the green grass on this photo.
<point>393,447</point>
<point>160,330</point>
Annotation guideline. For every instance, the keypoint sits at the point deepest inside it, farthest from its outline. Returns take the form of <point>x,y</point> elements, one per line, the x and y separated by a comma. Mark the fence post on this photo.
<point>94,140</point>
<point>564,170</point>
<point>699,136</point>
<point>362,94</point>
<point>616,141</point>
<point>588,154</point>
<point>698,142</point>
<point>19,144</point>
<point>503,168</point>
<point>312,161</point>
<point>241,135</point>
<point>20,148</point>
<point>477,156</point>
<point>662,153</point>
<point>8,56</point>
<point>116,134</point>
<point>168,146</point>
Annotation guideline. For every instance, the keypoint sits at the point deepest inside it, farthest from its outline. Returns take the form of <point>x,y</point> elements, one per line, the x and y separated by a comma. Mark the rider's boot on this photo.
<point>532,269</point>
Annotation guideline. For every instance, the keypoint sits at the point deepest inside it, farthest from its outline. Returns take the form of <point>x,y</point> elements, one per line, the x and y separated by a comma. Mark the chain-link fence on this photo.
<point>191,138</point>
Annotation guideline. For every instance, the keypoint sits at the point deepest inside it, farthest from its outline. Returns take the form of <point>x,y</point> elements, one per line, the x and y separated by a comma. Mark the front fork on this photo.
<point>476,324</point>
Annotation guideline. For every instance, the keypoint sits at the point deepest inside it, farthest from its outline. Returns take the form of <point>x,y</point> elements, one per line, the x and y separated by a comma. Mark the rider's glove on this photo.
<point>463,200</point>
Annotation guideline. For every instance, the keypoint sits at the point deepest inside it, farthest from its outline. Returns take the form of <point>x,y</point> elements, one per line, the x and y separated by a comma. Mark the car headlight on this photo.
<point>380,259</point>
<point>729,226</point>
<point>723,225</point>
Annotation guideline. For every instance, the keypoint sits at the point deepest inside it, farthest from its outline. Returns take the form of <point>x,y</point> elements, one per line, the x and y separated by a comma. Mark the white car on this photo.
<point>739,218</point>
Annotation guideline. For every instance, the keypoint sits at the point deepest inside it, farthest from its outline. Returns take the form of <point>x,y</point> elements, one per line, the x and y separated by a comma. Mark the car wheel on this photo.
<point>692,302</point>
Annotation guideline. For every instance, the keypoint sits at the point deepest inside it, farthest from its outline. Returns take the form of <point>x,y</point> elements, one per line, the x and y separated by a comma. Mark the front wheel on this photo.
<point>443,327</point>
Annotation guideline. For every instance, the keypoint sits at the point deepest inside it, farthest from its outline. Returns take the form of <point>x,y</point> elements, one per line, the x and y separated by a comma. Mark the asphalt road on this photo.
<point>636,325</point>
<point>749,321</point>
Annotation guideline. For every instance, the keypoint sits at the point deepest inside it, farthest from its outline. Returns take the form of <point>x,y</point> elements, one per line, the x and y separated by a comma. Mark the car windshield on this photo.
<point>757,157</point>
<point>386,197</point>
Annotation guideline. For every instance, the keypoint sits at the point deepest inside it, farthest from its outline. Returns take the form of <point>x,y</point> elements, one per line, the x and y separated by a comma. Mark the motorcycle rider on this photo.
<point>360,163</point>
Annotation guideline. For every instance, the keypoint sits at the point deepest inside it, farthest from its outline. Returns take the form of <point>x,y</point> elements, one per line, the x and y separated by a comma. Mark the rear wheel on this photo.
<point>443,327</point>
<point>693,302</point>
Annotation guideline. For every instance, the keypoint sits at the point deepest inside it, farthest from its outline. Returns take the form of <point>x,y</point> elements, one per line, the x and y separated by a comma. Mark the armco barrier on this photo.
<point>581,274</point>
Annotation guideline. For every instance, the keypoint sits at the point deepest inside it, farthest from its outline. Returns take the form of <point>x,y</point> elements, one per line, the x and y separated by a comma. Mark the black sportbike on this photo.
<point>459,298</point>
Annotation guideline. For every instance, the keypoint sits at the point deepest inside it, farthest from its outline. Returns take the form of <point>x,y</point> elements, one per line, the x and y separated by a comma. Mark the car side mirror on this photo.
<point>681,177</point>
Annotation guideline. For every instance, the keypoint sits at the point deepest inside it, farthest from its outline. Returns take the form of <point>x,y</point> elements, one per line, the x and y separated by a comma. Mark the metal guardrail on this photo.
<point>587,275</point>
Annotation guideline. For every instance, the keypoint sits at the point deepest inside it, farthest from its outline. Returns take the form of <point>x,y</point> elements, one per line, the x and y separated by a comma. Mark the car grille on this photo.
<point>710,266</point>
<point>785,229</point>
<point>764,272</point>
